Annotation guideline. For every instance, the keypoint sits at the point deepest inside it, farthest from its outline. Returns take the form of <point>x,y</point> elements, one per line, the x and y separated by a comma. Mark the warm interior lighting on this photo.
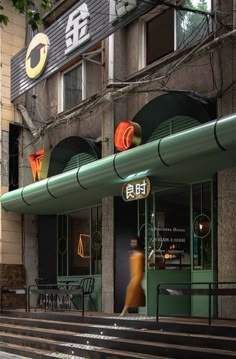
<point>83,246</point>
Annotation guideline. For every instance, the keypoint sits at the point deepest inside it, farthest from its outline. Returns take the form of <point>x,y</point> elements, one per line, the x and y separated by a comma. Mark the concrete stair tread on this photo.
<point>103,337</point>
<point>72,347</point>
<point>28,352</point>
<point>117,321</point>
<point>90,342</point>
<point>115,330</point>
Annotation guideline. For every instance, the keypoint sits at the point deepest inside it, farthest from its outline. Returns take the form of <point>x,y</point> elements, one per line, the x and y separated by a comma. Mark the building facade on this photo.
<point>168,67</point>
<point>12,39</point>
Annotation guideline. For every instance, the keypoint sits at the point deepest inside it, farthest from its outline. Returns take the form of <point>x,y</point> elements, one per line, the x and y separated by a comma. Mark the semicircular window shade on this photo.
<point>78,160</point>
<point>172,126</point>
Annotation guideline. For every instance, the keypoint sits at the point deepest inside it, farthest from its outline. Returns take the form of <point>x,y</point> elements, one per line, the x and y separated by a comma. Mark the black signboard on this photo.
<point>84,25</point>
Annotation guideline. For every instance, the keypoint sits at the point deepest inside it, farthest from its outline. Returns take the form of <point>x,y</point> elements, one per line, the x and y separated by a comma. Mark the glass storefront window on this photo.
<point>167,229</point>
<point>96,240</point>
<point>173,222</point>
<point>172,216</point>
<point>80,242</point>
<point>202,226</point>
<point>62,244</point>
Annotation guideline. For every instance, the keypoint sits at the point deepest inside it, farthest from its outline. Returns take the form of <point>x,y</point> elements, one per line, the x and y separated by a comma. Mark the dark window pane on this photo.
<point>202,226</point>
<point>14,133</point>
<point>160,36</point>
<point>62,244</point>
<point>79,242</point>
<point>85,241</point>
<point>72,87</point>
<point>96,240</point>
<point>168,232</point>
<point>93,76</point>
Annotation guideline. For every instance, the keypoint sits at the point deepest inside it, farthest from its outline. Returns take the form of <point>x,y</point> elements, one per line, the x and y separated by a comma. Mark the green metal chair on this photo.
<point>87,284</point>
<point>88,287</point>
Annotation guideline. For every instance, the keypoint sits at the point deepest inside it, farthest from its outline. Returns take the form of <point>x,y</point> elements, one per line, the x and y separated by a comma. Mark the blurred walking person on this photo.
<point>135,296</point>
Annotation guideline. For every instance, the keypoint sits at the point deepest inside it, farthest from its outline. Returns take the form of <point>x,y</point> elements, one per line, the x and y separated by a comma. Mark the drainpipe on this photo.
<point>26,117</point>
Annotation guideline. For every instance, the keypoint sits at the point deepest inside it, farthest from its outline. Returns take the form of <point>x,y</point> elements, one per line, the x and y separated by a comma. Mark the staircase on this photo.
<point>71,336</point>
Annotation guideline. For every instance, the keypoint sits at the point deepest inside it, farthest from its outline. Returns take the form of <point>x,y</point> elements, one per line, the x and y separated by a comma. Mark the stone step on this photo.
<point>61,331</point>
<point>77,344</point>
<point>48,348</point>
<point>72,336</point>
<point>175,325</point>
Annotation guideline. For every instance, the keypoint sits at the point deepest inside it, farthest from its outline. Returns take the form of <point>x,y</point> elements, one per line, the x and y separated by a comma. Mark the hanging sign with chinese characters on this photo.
<point>136,189</point>
<point>76,32</point>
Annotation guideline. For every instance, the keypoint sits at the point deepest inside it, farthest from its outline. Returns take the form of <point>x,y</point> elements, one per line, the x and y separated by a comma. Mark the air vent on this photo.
<point>172,126</point>
<point>78,160</point>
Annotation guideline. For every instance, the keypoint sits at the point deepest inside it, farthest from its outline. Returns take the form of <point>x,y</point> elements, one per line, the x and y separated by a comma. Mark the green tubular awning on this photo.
<point>188,156</point>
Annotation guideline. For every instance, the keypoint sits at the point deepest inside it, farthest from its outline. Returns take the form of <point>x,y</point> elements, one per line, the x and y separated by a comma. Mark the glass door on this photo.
<point>164,222</point>
<point>203,242</point>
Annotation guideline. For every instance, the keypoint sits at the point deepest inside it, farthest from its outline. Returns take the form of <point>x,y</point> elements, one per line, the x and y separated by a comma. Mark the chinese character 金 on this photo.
<point>130,191</point>
<point>77,28</point>
<point>119,8</point>
<point>140,188</point>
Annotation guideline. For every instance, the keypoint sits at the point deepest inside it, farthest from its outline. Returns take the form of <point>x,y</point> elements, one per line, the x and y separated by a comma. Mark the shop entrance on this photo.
<point>177,226</point>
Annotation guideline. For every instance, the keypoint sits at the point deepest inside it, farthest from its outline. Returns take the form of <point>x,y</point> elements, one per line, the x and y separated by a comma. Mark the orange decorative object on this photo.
<point>39,162</point>
<point>83,246</point>
<point>128,134</point>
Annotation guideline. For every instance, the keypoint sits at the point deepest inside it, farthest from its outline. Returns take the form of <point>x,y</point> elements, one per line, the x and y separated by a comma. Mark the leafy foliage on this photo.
<point>27,7</point>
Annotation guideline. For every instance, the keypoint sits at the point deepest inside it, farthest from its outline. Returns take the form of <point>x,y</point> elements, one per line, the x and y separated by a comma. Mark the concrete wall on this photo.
<point>227,178</point>
<point>227,238</point>
<point>12,272</point>
<point>11,41</point>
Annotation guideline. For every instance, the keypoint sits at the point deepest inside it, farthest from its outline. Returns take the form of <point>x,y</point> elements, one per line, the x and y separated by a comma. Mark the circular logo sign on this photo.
<point>36,56</point>
<point>128,134</point>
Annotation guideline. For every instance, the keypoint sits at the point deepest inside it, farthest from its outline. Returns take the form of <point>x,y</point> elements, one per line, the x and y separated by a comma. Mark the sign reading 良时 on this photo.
<point>136,189</point>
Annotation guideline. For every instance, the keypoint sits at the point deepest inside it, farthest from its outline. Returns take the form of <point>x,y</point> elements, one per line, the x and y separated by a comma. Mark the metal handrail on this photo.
<point>210,291</point>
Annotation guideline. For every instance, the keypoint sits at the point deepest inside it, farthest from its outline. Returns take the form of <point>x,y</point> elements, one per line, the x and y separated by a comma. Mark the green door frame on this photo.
<point>191,275</point>
<point>199,304</point>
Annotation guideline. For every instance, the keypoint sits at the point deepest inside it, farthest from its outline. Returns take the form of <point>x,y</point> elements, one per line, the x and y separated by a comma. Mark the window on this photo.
<point>82,80</point>
<point>165,44</point>
<point>14,133</point>
<point>72,87</point>
<point>85,242</point>
<point>79,242</point>
<point>174,29</point>
<point>167,231</point>
<point>202,226</point>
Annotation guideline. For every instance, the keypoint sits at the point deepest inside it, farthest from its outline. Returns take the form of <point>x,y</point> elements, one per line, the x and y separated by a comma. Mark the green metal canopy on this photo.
<point>188,156</point>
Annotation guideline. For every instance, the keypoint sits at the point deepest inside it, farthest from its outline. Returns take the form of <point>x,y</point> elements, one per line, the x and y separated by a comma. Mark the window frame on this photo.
<point>62,83</point>
<point>142,37</point>
<point>82,62</point>
<point>142,62</point>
